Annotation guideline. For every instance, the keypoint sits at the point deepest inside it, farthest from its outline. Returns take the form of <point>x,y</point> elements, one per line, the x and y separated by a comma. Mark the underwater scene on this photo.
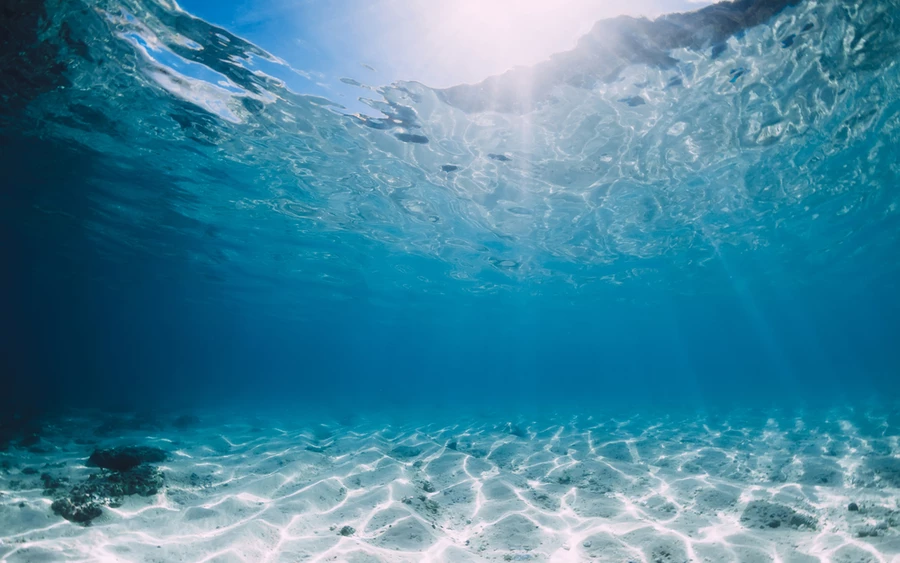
<point>630,297</point>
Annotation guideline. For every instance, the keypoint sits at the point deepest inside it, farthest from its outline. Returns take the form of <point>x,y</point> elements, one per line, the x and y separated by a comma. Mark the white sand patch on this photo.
<point>743,488</point>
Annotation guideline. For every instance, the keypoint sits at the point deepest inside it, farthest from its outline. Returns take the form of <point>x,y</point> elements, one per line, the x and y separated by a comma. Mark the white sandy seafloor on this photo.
<point>564,488</point>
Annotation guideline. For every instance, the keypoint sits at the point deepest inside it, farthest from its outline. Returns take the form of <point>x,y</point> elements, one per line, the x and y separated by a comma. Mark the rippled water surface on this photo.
<point>654,154</point>
<point>637,302</point>
<point>695,200</point>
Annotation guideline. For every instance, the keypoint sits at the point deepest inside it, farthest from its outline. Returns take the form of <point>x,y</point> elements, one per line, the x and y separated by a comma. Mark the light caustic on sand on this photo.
<point>748,488</point>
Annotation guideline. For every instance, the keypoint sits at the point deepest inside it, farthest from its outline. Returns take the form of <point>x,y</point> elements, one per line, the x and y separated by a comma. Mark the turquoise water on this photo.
<point>699,209</point>
<point>638,302</point>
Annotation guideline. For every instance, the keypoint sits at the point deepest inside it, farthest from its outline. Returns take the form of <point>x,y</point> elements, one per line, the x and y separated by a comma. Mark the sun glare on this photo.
<point>446,43</point>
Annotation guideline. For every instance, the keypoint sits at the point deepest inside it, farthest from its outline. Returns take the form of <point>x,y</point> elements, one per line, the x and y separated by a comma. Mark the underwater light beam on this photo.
<point>447,43</point>
<point>440,44</point>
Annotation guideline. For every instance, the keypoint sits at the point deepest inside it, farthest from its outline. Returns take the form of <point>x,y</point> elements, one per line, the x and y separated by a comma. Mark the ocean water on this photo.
<point>638,302</point>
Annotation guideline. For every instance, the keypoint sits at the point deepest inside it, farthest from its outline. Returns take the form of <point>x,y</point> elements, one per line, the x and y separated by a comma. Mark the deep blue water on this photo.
<point>702,211</point>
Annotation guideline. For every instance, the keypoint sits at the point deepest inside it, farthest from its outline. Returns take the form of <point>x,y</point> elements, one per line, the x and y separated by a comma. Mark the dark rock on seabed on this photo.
<point>80,511</point>
<point>124,472</point>
<point>143,481</point>
<point>127,458</point>
<point>83,501</point>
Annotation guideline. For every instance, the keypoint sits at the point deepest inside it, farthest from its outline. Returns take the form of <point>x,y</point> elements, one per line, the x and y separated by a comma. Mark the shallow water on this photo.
<point>665,260</point>
<point>743,485</point>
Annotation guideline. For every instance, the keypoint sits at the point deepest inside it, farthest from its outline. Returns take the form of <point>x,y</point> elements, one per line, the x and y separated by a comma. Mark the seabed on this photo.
<point>745,486</point>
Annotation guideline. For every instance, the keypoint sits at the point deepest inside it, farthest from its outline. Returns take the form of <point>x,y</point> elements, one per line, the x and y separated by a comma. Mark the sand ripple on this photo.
<point>745,487</point>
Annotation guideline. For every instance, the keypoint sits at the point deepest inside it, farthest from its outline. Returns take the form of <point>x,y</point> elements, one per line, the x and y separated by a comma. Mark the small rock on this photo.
<point>587,543</point>
<point>124,459</point>
<point>347,531</point>
<point>80,513</point>
<point>144,481</point>
<point>853,507</point>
